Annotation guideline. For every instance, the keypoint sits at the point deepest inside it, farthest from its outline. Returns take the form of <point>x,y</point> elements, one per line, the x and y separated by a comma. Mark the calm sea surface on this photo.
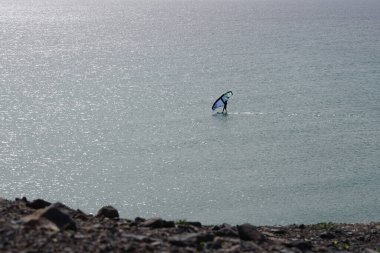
<point>109,103</point>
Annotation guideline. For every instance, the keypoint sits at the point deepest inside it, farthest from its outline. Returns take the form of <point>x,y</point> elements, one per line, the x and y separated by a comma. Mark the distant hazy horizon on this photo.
<point>109,103</point>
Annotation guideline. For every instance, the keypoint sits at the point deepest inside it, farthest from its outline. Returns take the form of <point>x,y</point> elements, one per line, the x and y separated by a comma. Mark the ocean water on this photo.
<point>109,103</point>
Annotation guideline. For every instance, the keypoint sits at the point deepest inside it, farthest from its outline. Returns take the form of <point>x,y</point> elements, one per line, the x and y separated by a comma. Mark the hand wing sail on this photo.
<point>218,103</point>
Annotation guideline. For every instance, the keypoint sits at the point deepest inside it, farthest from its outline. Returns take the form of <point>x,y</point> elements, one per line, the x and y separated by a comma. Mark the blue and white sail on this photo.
<point>222,100</point>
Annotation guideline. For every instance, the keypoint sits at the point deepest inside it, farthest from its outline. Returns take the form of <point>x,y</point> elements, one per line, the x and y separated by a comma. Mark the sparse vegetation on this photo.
<point>181,222</point>
<point>325,226</point>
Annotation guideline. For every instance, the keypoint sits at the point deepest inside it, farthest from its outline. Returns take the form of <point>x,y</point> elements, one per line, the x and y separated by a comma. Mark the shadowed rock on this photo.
<point>138,221</point>
<point>61,219</point>
<point>157,223</point>
<point>79,214</point>
<point>38,204</point>
<point>249,232</point>
<point>194,223</point>
<point>108,212</point>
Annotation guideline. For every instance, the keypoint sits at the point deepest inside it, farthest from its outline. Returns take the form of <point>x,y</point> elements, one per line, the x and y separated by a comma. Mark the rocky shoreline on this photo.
<point>39,226</point>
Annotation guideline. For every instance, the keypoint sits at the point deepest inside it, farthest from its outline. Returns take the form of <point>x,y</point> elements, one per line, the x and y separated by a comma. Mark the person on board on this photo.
<point>222,101</point>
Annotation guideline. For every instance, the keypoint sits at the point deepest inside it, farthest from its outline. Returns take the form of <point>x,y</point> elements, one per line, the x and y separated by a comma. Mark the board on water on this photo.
<point>220,114</point>
<point>222,100</point>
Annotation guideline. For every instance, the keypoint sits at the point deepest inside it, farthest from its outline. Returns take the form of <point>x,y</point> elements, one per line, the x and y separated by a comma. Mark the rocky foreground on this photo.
<point>39,226</point>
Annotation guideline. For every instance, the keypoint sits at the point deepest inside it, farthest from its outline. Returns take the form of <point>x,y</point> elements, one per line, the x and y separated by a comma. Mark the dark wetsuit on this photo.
<point>225,106</point>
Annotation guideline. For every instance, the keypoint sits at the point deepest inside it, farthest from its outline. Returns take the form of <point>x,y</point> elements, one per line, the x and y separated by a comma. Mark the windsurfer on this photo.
<point>222,101</point>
